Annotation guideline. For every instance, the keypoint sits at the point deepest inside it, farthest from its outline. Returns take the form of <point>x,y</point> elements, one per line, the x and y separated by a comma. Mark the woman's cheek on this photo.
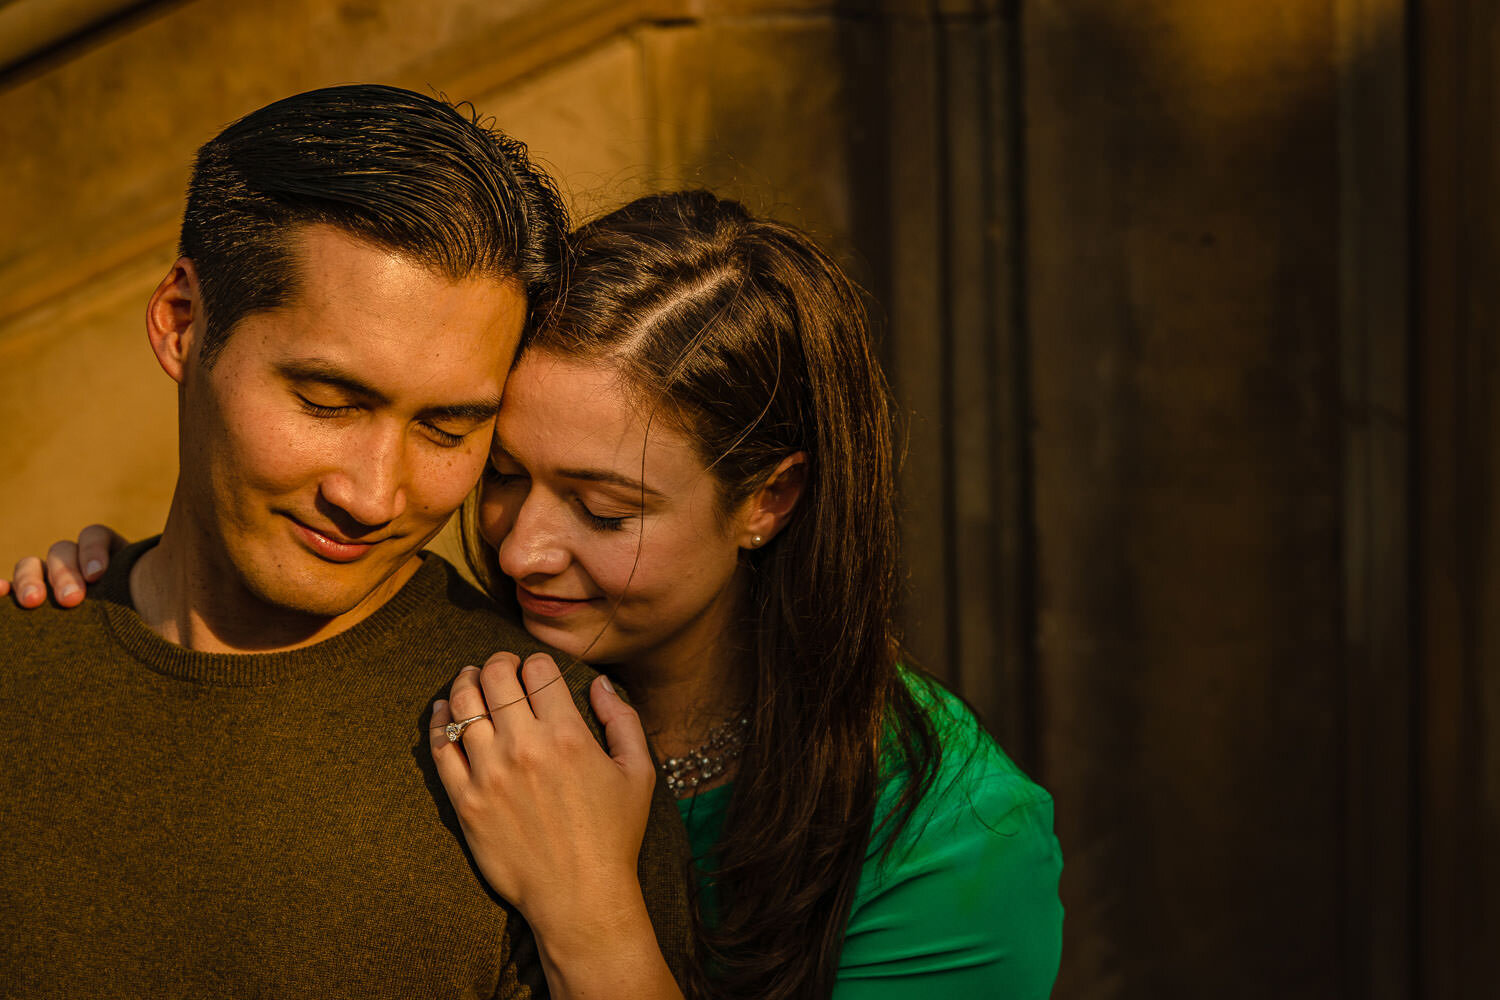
<point>495,520</point>
<point>619,566</point>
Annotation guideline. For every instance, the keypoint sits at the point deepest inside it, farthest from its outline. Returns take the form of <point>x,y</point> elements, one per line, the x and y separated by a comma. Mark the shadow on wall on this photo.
<point>1216,290</point>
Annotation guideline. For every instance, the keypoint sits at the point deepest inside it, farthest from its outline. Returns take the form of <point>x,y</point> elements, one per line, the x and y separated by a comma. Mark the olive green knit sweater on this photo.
<point>183,824</point>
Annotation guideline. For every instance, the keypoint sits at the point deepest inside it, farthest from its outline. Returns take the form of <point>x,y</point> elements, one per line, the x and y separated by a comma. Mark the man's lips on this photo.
<point>544,606</point>
<point>331,546</point>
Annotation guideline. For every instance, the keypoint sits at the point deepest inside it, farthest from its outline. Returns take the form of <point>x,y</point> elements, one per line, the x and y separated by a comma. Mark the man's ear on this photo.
<point>174,318</point>
<point>768,511</point>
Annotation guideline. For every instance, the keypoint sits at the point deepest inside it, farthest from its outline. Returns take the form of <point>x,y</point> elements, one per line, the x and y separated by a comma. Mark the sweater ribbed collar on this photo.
<point>394,622</point>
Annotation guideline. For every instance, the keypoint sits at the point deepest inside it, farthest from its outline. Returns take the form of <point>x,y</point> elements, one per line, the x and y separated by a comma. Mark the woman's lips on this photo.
<point>328,548</point>
<point>543,606</point>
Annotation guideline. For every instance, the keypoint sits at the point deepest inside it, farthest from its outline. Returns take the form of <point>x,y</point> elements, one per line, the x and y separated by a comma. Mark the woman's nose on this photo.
<point>534,544</point>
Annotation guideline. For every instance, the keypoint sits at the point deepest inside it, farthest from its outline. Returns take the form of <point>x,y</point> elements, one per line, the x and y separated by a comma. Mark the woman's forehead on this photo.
<point>563,414</point>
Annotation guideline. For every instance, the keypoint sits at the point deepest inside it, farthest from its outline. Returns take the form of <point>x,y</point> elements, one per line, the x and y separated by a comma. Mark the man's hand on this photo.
<point>69,568</point>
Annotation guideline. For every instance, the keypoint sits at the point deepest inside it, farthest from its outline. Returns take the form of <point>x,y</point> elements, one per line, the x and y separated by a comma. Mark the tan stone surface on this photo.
<point>90,420</point>
<point>760,111</point>
<point>614,97</point>
<point>96,158</point>
<point>587,121</point>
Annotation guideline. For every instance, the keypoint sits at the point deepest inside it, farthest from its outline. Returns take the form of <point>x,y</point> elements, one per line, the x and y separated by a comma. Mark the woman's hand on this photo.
<point>69,568</point>
<point>546,811</point>
<point>554,822</point>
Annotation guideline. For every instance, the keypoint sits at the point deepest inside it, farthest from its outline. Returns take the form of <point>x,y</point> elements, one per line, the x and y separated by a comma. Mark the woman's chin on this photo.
<point>570,640</point>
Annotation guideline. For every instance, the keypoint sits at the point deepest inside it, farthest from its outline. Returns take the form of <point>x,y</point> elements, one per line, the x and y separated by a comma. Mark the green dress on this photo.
<point>966,905</point>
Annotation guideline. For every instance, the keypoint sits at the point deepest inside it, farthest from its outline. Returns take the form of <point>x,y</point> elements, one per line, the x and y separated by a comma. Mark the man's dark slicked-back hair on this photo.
<point>395,168</point>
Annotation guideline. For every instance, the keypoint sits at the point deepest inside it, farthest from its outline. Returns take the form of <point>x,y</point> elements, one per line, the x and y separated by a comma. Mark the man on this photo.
<point>217,774</point>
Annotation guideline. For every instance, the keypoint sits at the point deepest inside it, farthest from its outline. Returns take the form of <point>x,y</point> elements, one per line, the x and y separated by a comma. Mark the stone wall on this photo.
<point>616,98</point>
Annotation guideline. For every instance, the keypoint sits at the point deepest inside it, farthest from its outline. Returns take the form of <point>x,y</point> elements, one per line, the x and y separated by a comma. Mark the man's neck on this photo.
<point>187,591</point>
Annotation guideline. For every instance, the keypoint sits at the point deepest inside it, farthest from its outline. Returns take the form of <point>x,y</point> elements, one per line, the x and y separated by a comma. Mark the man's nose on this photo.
<point>534,543</point>
<point>369,480</point>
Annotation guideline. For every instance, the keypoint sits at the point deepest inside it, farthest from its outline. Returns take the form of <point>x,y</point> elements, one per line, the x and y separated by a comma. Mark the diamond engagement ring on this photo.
<point>455,730</point>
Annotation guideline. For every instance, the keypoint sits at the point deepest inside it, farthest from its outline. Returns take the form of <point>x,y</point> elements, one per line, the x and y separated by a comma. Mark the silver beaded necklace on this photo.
<point>702,763</point>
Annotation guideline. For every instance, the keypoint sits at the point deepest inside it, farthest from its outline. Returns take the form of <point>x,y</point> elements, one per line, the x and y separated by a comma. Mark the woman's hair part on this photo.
<point>753,342</point>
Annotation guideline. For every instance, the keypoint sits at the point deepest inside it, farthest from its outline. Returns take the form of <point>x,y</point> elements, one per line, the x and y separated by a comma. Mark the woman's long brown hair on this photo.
<point>751,340</point>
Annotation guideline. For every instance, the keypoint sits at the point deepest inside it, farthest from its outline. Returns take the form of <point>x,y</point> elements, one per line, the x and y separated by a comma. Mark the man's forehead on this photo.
<point>323,254</point>
<point>362,313</point>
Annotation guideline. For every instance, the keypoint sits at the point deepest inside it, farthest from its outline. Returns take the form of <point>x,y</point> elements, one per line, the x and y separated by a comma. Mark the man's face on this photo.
<point>334,436</point>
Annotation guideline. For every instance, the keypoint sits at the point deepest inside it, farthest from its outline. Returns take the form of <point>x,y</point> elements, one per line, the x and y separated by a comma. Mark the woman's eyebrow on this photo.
<point>499,452</point>
<point>611,478</point>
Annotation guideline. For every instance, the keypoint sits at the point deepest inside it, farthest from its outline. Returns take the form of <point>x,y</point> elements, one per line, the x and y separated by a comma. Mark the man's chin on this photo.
<point>327,593</point>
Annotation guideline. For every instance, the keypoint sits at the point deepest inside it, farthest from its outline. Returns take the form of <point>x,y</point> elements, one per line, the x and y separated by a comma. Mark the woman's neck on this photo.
<point>683,693</point>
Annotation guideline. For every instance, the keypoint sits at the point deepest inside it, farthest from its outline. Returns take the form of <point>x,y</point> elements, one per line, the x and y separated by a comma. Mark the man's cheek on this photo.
<point>440,485</point>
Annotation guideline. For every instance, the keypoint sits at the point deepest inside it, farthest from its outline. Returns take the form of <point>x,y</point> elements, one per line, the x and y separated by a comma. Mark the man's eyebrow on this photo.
<point>479,409</point>
<point>329,374</point>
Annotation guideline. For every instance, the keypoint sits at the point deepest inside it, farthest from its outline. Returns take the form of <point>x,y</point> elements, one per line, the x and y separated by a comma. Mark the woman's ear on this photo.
<point>769,509</point>
<point>174,318</point>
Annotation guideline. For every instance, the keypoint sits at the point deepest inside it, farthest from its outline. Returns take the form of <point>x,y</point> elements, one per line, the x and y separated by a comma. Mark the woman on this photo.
<point>691,482</point>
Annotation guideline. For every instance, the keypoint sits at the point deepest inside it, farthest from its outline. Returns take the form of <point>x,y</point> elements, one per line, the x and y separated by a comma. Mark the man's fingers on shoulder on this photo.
<point>96,544</point>
<point>63,573</point>
<point>29,583</point>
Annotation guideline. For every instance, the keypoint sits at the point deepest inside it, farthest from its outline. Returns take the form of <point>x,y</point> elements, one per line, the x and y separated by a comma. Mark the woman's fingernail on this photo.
<point>67,592</point>
<point>31,594</point>
<point>607,685</point>
<point>468,668</point>
<point>93,568</point>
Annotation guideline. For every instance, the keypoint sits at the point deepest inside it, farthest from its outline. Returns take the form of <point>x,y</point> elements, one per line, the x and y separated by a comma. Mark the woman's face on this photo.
<point>607,523</point>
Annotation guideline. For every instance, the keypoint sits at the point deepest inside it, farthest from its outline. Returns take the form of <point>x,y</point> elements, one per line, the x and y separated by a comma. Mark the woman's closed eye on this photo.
<point>500,477</point>
<point>600,522</point>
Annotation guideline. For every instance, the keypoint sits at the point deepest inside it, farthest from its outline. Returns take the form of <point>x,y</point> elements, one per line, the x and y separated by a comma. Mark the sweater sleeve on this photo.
<point>966,905</point>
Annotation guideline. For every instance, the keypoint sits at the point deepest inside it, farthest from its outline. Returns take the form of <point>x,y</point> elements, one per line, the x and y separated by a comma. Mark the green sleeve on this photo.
<point>966,906</point>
